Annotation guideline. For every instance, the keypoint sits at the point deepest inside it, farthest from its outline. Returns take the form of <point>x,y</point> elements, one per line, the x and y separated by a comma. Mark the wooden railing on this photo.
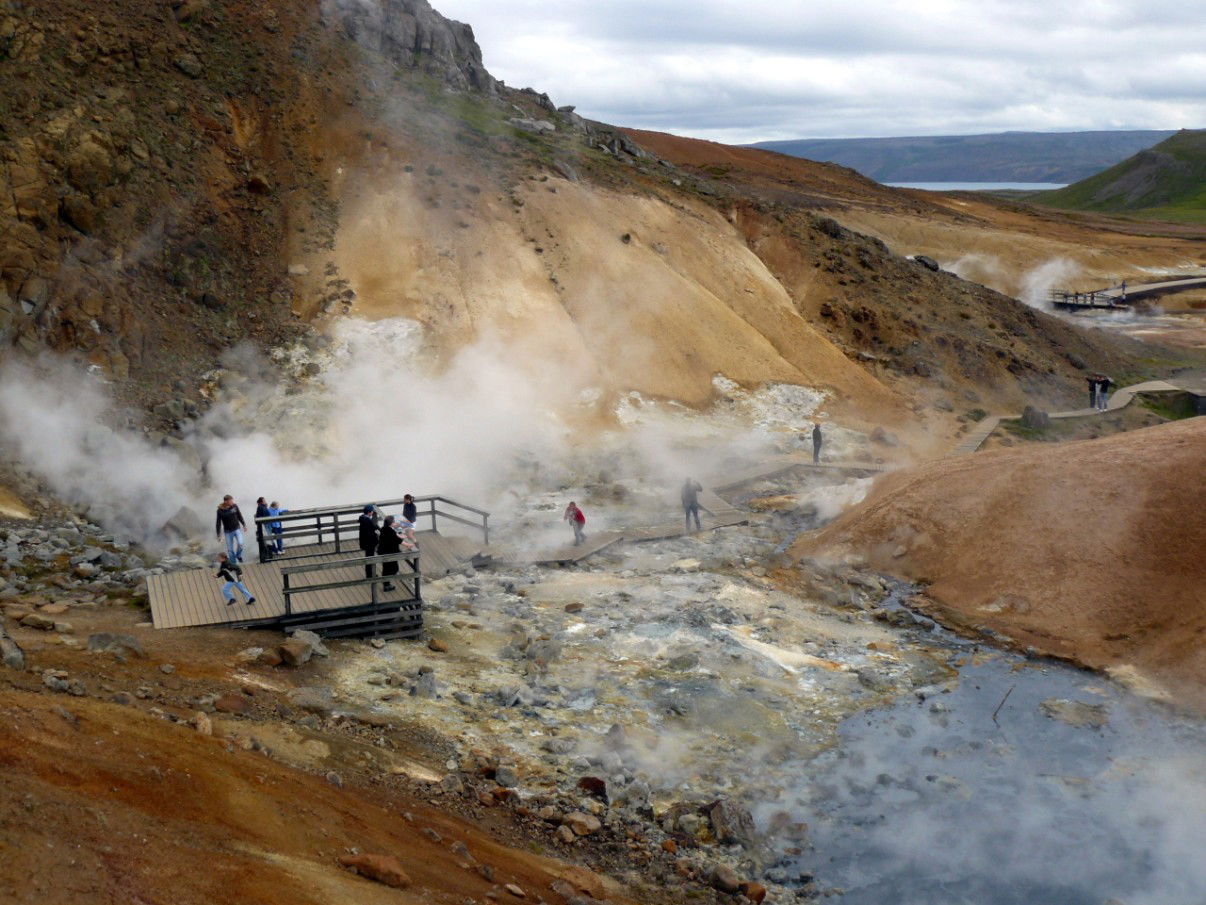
<point>333,524</point>
<point>409,580</point>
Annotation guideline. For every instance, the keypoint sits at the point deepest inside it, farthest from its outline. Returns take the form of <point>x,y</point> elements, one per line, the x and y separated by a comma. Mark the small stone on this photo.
<point>566,835</point>
<point>669,846</point>
<point>582,824</point>
<point>377,643</point>
<point>515,891</point>
<point>167,668</point>
<point>202,723</point>
<point>573,607</point>
<point>435,644</point>
<point>382,869</point>
<point>724,879</point>
<point>295,652</point>
<point>38,621</point>
<point>335,779</point>
<point>232,703</point>
<point>755,892</point>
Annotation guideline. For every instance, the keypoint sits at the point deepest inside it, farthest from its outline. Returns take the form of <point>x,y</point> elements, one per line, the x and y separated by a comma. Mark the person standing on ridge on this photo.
<point>410,511</point>
<point>232,573</point>
<point>690,497</point>
<point>816,442</point>
<point>1103,392</point>
<point>261,511</point>
<point>388,543</point>
<point>230,521</point>
<point>368,536</point>
<point>1092,380</point>
<point>577,520</point>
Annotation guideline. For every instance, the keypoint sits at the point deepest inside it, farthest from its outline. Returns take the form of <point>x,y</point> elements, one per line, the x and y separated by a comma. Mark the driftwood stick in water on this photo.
<point>1002,704</point>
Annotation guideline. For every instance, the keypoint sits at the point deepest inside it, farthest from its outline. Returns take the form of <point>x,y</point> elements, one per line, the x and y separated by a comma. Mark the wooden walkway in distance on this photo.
<point>561,556</point>
<point>1120,399</point>
<point>194,597</point>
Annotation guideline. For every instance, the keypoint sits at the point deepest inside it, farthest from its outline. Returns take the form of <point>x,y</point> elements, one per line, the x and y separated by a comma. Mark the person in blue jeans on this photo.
<point>230,522</point>
<point>232,573</point>
<point>278,542</point>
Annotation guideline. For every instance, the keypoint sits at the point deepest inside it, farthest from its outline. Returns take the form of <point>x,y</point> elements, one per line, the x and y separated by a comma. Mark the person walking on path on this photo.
<point>368,536</point>
<point>230,521</point>
<point>410,511</point>
<point>388,542</point>
<point>817,439</point>
<point>232,573</point>
<point>278,540</point>
<point>577,520</point>
<point>1103,392</point>
<point>690,496</point>
<point>261,511</point>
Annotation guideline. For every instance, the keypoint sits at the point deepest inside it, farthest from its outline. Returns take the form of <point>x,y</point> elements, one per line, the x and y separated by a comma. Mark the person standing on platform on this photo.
<point>261,511</point>
<point>230,521</point>
<point>410,511</point>
<point>817,439</point>
<point>278,531</point>
<point>368,536</point>
<point>690,496</point>
<point>232,573</point>
<point>388,542</point>
<point>577,520</point>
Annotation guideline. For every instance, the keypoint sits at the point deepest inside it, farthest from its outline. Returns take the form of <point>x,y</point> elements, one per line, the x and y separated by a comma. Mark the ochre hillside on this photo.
<point>1090,550</point>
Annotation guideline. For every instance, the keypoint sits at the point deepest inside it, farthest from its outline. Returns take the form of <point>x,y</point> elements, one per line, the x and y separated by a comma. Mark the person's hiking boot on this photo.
<point>230,602</point>
<point>250,601</point>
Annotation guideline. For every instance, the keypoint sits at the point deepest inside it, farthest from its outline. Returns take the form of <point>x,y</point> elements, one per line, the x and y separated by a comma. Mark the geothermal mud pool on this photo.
<point>860,736</point>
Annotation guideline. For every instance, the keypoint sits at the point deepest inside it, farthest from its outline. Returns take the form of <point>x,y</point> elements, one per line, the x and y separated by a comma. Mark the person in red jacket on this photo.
<point>574,516</point>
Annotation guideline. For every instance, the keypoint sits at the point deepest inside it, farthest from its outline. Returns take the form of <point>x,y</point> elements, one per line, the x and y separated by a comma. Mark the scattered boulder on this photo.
<point>435,644</point>
<point>732,824</point>
<point>755,892</point>
<point>190,65</point>
<point>311,638</point>
<point>927,262</point>
<point>383,869</point>
<point>582,824</point>
<point>725,880</point>
<point>232,703</point>
<point>1035,419</point>
<point>38,621</point>
<point>11,654</point>
<point>296,652</point>
<point>118,644</point>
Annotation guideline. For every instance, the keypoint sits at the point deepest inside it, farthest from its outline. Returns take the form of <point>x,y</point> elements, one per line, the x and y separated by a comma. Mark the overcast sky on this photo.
<point>739,71</point>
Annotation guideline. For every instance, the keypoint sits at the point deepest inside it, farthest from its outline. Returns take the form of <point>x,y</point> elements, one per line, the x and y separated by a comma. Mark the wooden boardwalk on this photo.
<point>194,597</point>
<point>1120,399</point>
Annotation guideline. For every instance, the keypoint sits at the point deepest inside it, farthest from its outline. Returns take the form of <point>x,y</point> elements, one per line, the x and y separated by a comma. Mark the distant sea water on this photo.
<point>978,186</point>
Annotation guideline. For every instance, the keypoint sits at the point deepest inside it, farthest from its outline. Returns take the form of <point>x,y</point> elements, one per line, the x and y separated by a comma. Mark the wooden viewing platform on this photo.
<point>321,584</point>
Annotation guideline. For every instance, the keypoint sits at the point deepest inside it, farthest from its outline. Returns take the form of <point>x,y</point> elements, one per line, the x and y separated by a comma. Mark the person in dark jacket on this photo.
<point>261,511</point>
<point>817,439</point>
<point>368,536</point>
<point>230,521</point>
<point>232,573</point>
<point>410,511</point>
<point>690,496</point>
<point>389,542</point>
<point>1093,384</point>
<point>1103,392</point>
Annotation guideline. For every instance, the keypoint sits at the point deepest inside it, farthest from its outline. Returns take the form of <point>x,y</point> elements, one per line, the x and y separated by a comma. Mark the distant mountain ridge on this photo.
<point>1166,182</point>
<point>1000,157</point>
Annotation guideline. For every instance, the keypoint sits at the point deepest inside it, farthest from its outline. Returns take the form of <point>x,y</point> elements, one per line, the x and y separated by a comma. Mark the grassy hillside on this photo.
<point>1004,157</point>
<point>1167,182</point>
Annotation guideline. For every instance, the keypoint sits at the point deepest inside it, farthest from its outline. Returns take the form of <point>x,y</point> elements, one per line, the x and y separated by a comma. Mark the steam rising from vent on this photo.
<point>1038,283</point>
<point>53,416</point>
<point>379,419</point>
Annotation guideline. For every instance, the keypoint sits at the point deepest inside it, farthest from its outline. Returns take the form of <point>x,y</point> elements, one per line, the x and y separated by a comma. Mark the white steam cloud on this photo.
<point>1038,283</point>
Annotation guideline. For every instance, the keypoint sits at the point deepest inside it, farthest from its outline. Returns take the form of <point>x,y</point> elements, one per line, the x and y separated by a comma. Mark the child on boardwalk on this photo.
<point>232,573</point>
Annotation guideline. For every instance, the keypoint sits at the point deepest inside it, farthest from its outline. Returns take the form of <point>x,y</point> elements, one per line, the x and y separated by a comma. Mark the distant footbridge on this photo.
<point>1120,296</point>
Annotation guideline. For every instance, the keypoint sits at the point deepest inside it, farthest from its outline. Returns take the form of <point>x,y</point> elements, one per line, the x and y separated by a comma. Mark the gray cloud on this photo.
<point>745,71</point>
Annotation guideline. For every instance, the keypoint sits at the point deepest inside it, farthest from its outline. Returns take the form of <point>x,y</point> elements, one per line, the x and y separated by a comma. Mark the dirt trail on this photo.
<point>1088,550</point>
